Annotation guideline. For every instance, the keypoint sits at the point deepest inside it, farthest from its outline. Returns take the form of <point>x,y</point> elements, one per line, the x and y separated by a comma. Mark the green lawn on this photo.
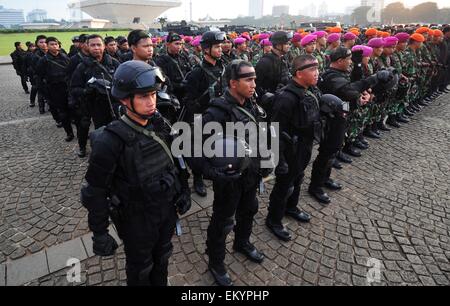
<point>7,40</point>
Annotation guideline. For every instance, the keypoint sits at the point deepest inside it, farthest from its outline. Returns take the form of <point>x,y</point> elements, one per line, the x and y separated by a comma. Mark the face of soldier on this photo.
<point>388,51</point>
<point>53,47</point>
<point>42,45</point>
<point>216,51</point>
<point>350,43</point>
<point>143,50</point>
<point>309,77</point>
<point>438,39</point>
<point>365,61</point>
<point>124,47</point>
<point>310,48</point>
<point>174,47</point>
<point>377,51</point>
<point>267,49</point>
<point>111,47</point>
<point>244,87</point>
<point>322,42</point>
<point>242,47</point>
<point>226,47</point>
<point>344,64</point>
<point>144,104</point>
<point>402,46</point>
<point>32,48</point>
<point>96,47</point>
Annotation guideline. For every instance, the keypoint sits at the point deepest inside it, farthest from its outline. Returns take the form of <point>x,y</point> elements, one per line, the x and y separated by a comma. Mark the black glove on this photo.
<point>183,203</point>
<point>104,245</point>
<point>282,168</point>
<point>384,76</point>
<point>89,90</point>
<point>357,56</point>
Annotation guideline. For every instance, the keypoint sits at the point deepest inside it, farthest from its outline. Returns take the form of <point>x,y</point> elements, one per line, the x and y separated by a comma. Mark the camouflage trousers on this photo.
<point>357,120</point>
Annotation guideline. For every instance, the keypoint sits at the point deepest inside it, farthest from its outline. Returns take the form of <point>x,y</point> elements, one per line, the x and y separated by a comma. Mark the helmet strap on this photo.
<point>132,109</point>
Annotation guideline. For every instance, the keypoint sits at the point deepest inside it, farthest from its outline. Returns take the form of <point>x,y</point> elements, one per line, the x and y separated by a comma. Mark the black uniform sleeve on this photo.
<point>77,82</point>
<point>196,85</point>
<point>264,76</point>
<point>102,166</point>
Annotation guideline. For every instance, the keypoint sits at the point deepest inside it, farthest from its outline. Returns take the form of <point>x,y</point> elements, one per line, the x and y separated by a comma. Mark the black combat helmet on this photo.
<point>232,155</point>
<point>212,38</point>
<point>332,105</point>
<point>136,77</point>
<point>280,38</point>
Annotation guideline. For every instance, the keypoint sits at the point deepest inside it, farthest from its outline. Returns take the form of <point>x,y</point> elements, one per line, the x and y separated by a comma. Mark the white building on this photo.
<point>10,17</point>
<point>75,12</point>
<point>323,9</point>
<point>256,8</point>
<point>279,10</point>
<point>377,4</point>
<point>126,12</point>
<point>37,15</point>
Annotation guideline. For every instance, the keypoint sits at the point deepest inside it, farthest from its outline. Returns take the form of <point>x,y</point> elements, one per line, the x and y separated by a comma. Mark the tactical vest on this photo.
<point>309,122</point>
<point>150,174</point>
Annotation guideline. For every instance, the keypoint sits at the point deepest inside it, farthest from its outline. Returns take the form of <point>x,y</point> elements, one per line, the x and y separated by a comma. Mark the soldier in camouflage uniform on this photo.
<point>426,69</point>
<point>411,70</point>
<point>319,54</point>
<point>296,48</point>
<point>241,49</point>
<point>266,47</point>
<point>399,106</point>
<point>376,107</point>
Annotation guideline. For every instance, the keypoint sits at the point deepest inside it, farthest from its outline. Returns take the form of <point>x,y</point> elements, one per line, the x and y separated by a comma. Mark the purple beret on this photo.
<point>349,36</point>
<point>320,34</point>
<point>297,37</point>
<point>263,36</point>
<point>376,43</point>
<point>265,42</point>
<point>367,51</point>
<point>195,42</point>
<point>402,37</point>
<point>333,37</point>
<point>308,39</point>
<point>390,41</point>
<point>239,40</point>
<point>246,37</point>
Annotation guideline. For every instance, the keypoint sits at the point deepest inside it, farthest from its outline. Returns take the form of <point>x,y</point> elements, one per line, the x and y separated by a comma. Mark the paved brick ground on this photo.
<point>395,207</point>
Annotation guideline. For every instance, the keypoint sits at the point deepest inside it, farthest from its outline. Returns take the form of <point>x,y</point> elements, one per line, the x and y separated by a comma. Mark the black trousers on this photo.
<point>286,192</point>
<point>329,147</point>
<point>232,200</point>
<point>147,236</point>
<point>58,102</point>
<point>23,81</point>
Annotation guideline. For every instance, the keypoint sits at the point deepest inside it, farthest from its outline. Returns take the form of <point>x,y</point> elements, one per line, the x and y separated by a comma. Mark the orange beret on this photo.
<point>300,31</point>
<point>385,34</point>
<point>422,30</point>
<point>336,30</point>
<point>417,37</point>
<point>371,32</point>
<point>437,33</point>
<point>355,31</point>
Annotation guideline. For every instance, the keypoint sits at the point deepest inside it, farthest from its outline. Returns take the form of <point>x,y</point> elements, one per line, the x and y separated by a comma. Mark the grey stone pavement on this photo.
<point>394,209</point>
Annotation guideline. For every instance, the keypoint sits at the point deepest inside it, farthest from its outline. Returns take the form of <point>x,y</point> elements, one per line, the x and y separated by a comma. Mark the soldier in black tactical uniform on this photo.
<point>95,102</point>
<point>29,72</point>
<point>272,69</point>
<point>52,69</point>
<point>205,82</point>
<point>234,188</point>
<point>134,179</point>
<point>296,109</point>
<point>18,60</point>
<point>40,51</point>
<point>336,81</point>
<point>111,47</point>
<point>141,47</point>
<point>174,64</point>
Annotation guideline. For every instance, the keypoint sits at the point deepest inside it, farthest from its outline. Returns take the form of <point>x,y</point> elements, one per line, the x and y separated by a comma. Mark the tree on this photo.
<point>162,21</point>
<point>425,12</point>
<point>396,13</point>
<point>360,14</point>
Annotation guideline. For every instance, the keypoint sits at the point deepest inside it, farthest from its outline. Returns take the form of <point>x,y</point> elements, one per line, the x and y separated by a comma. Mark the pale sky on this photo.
<point>215,8</point>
